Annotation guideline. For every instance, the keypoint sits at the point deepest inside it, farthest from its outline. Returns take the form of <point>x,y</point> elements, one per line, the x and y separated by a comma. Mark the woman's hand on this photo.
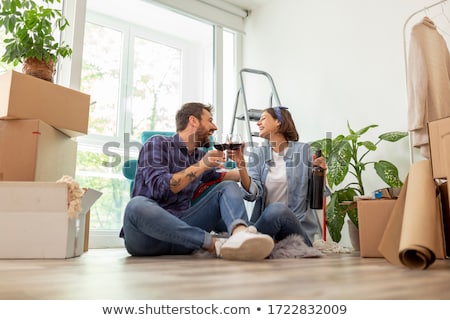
<point>238,156</point>
<point>320,162</point>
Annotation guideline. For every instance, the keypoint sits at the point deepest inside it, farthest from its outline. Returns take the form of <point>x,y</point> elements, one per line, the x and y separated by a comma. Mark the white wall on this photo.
<point>334,61</point>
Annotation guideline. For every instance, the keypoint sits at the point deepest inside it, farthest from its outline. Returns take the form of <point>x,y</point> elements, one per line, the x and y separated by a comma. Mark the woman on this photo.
<point>276,178</point>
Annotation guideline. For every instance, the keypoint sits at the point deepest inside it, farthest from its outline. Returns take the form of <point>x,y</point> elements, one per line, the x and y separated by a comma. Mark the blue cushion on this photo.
<point>129,166</point>
<point>148,134</point>
<point>129,169</point>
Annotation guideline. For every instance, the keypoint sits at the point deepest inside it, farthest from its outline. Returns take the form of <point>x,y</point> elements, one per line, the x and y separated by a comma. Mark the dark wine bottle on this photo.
<point>317,185</point>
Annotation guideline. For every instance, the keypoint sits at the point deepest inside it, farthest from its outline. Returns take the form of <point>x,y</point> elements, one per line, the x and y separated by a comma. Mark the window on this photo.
<point>138,68</point>
<point>139,63</point>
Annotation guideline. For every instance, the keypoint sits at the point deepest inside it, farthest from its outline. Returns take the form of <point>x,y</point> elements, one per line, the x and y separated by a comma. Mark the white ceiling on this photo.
<point>247,4</point>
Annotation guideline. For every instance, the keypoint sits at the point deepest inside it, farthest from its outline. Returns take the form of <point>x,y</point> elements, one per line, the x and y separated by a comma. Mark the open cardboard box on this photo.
<point>27,97</point>
<point>373,216</point>
<point>34,221</point>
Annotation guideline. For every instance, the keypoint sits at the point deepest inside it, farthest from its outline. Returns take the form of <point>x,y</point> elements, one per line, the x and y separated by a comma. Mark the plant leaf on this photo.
<point>369,145</point>
<point>323,144</point>
<point>338,162</point>
<point>393,136</point>
<point>360,132</point>
<point>337,210</point>
<point>388,173</point>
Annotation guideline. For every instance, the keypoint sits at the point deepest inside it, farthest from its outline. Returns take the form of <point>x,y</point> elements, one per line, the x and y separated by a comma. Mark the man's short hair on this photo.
<point>190,109</point>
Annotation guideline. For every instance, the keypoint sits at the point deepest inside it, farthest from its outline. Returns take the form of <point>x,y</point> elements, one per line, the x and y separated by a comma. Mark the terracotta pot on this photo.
<point>39,69</point>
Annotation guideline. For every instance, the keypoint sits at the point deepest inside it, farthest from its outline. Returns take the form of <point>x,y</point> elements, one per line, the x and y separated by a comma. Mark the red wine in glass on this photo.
<point>235,145</point>
<point>221,146</point>
<point>221,143</point>
<point>235,141</point>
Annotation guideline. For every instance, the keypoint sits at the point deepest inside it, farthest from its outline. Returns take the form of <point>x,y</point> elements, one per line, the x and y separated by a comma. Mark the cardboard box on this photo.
<point>34,221</point>
<point>445,209</point>
<point>31,150</point>
<point>373,216</point>
<point>27,97</point>
<point>439,136</point>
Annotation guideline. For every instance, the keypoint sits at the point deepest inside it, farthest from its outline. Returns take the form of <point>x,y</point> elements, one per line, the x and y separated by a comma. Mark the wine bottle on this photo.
<point>317,185</point>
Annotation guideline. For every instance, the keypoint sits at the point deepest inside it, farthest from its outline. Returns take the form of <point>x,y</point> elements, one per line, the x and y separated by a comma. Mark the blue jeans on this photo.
<point>150,230</point>
<point>278,221</point>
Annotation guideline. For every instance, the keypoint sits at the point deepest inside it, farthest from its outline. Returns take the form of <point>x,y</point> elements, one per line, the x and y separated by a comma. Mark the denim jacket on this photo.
<point>298,171</point>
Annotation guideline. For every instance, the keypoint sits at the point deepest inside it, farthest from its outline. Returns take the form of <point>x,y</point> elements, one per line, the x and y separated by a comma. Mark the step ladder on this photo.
<point>251,114</point>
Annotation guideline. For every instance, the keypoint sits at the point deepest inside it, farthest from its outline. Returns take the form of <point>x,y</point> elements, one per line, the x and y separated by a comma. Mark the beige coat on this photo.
<point>428,78</point>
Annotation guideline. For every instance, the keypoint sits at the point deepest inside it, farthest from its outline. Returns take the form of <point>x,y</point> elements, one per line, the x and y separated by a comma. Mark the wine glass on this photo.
<point>221,142</point>
<point>235,141</point>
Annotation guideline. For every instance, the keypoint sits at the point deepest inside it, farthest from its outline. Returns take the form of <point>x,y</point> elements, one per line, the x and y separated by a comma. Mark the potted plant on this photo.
<point>29,28</point>
<point>346,158</point>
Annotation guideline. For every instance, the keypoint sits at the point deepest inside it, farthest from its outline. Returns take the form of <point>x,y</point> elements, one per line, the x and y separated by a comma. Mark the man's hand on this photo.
<point>213,158</point>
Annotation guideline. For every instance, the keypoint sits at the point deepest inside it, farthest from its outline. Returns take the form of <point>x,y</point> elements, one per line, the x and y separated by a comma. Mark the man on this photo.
<point>160,218</point>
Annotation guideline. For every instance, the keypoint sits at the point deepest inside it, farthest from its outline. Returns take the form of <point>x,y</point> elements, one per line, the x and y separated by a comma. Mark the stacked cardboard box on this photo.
<point>38,120</point>
<point>38,123</point>
<point>26,97</point>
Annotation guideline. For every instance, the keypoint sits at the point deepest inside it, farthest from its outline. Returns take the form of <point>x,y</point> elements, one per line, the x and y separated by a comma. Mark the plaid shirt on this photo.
<point>159,159</point>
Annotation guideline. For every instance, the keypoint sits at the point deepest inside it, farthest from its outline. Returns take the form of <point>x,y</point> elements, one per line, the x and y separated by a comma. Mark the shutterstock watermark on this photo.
<point>112,149</point>
<point>118,155</point>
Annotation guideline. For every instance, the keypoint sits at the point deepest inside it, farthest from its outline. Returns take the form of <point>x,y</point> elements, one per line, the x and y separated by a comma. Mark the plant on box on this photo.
<point>29,28</point>
<point>345,156</point>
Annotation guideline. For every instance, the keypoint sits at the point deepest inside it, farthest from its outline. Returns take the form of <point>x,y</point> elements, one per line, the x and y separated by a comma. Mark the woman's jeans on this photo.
<point>150,230</point>
<point>278,221</point>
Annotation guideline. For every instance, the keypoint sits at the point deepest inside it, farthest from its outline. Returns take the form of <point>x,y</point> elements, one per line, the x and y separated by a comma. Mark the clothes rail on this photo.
<point>405,57</point>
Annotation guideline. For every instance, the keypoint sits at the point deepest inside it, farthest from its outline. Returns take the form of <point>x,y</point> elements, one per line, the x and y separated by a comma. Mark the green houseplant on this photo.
<point>346,158</point>
<point>29,28</point>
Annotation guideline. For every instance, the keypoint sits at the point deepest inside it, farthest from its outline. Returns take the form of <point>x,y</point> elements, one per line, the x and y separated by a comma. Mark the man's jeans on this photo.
<point>150,230</point>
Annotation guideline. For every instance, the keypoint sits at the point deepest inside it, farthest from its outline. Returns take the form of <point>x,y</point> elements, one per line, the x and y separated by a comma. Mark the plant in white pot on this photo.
<point>29,28</point>
<point>346,159</point>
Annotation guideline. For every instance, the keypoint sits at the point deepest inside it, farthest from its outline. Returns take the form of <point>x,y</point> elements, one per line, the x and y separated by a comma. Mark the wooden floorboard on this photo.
<point>113,274</point>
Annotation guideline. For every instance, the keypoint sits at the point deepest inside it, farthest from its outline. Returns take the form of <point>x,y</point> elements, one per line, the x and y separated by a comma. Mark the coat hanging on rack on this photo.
<point>428,81</point>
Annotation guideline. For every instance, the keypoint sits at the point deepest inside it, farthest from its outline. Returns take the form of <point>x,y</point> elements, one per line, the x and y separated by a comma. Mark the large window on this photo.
<point>139,63</point>
<point>138,67</point>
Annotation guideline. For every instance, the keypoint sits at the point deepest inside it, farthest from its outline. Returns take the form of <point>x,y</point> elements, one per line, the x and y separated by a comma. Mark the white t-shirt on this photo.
<point>276,181</point>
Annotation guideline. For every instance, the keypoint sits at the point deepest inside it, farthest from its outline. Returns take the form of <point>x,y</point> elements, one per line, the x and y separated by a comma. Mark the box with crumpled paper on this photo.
<point>35,221</point>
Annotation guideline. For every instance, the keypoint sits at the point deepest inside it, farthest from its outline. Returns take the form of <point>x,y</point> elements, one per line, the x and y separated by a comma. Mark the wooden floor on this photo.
<point>113,274</point>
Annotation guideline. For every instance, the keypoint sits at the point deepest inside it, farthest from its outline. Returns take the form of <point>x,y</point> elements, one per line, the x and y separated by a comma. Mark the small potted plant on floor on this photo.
<point>29,28</point>
<point>346,158</point>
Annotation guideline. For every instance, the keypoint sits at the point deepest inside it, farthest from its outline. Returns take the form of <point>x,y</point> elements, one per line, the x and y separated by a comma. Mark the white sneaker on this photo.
<point>203,253</point>
<point>219,243</point>
<point>248,245</point>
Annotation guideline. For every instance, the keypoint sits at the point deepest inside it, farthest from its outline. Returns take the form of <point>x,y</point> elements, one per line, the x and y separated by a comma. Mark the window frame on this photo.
<point>69,74</point>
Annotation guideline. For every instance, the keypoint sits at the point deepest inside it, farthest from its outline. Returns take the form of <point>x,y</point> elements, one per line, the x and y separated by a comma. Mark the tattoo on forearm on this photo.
<point>191,176</point>
<point>174,182</point>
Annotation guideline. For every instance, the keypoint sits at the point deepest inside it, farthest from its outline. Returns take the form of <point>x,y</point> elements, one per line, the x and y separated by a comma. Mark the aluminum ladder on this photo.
<point>250,115</point>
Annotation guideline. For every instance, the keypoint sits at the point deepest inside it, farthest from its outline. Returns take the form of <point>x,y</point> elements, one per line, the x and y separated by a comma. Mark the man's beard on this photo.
<point>207,144</point>
<point>204,139</point>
